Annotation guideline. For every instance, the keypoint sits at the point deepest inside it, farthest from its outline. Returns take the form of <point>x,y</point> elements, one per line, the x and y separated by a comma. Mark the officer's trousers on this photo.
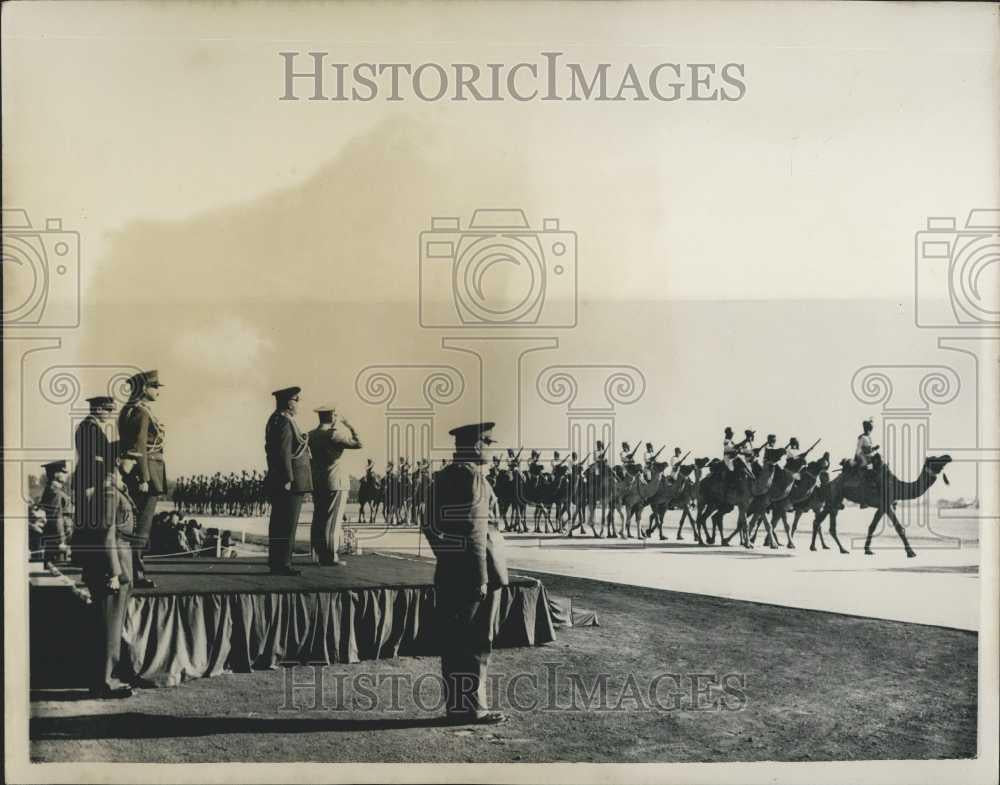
<point>466,641</point>
<point>328,507</point>
<point>145,506</point>
<point>108,609</point>
<point>281,528</point>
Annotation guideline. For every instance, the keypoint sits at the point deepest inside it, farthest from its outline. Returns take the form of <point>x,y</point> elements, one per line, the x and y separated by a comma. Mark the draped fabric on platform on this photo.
<point>174,637</point>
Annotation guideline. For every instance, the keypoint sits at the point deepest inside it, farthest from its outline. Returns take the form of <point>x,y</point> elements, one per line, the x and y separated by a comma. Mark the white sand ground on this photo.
<point>941,586</point>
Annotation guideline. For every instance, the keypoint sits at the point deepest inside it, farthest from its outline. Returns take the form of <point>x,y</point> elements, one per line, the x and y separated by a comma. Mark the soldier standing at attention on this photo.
<point>58,513</point>
<point>289,478</point>
<point>140,432</point>
<point>104,528</point>
<point>463,532</point>
<point>330,482</point>
<point>95,452</point>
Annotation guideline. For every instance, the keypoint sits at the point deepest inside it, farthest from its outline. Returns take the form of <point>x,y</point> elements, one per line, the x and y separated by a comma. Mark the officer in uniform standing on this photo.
<point>104,529</point>
<point>58,513</point>
<point>330,482</point>
<point>141,432</point>
<point>463,532</point>
<point>289,478</point>
<point>95,451</point>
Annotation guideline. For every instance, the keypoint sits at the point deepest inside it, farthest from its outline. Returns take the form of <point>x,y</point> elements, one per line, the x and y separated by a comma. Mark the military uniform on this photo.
<point>58,515</point>
<point>140,431</point>
<point>330,483</point>
<point>463,532</point>
<point>104,527</point>
<point>95,451</point>
<point>288,464</point>
<point>864,451</point>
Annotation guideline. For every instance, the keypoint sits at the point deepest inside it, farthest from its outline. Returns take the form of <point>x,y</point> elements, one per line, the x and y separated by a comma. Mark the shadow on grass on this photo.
<point>138,725</point>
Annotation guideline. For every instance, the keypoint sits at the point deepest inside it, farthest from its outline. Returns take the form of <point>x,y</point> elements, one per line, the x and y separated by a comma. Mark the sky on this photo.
<point>745,257</point>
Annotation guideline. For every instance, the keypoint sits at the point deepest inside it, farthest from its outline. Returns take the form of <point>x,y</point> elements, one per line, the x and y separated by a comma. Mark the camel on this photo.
<point>760,502</point>
<point>687,497</point>
<point>718,494</point>
<point>668,493</point>
<point>792,488</point>
<point>636,493</point>
<point>854,486</point>
<point>541,489</point>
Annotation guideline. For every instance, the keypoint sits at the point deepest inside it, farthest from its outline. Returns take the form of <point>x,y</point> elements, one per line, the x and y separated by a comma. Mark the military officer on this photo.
<point>58,513</point>
<point>104,527</point>
<point>289,478</point>
<point>141,432</point>
<point>463,532</point>
<point>95,449</point>
<point>330,480</point>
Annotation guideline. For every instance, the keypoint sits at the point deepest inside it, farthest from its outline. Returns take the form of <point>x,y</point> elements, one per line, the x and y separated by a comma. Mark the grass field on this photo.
<point>775,684</point>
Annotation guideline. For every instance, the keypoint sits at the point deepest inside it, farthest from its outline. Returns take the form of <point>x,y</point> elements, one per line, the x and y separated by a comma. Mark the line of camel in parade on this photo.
<point>762,494</point>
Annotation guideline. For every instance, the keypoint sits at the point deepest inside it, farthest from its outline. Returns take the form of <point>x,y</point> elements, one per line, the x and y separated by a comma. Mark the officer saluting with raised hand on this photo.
<point>289,478</point>
<point>463,532</point>
<point>141,432</point>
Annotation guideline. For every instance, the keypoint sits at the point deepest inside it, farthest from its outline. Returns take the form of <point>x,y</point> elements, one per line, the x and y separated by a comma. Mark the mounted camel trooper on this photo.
<point>770,444</point>
<point>864,452</point>
<point>649,457</point>
<point>729,449</point>
<point>675,462</point>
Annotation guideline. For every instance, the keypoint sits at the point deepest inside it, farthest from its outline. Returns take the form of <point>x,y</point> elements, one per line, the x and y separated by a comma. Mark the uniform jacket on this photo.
<point>462,531</point>
<point>327,445</point>
<point>58,508</point>
<point>95,454</point>
<point>103,527</point>
<point>139,430</point>
<point>287,450</point>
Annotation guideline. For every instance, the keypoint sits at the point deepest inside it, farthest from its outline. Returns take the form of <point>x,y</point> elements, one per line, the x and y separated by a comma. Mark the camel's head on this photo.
<point>659,467</point>
<point>935,465</point>
<point>701,463</point>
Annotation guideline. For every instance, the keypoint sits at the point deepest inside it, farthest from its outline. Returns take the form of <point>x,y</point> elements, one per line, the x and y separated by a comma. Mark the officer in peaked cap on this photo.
<point>58,513</point>
<point>140,431</point>
<point>463,532</point>
<point>95,446</point>
<point>289,478</point>
<point>330,481</point>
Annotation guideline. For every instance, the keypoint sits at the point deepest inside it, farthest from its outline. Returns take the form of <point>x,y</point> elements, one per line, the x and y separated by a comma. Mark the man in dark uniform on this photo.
<point>104,526</point>
<point>289,478</point>
<point>58,514</point>
<point>95,452</point>
<point>140,432</point>
<point>463,532</point>
<point>330,480</point>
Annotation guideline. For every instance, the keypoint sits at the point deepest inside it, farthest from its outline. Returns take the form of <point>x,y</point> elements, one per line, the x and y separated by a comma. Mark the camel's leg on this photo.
<point>784,522</point>
<point>900,531</point>
<point>795,520</point>
<point>871,529</point>
<point>771,540</point>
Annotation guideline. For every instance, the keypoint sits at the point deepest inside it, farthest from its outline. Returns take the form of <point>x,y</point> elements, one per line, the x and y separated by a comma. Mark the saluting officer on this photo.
<point>331,483</point>
<point>289,477</point>
<point>463,532</point>
<point>142,433</point>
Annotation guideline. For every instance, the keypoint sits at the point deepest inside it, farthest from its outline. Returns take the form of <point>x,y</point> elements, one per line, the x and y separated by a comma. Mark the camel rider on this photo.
<point>556,462</point>
<point>648,458</point>
<point>535,464</point>
<point>770,444</point>
<point>370,469</point>
<point>494,471</point>
<point>626,455</point>
<point>746,452</point>
<point>729,449</point>
<point>599,452</point>
<point>675,463</point>
<point>865,451</point>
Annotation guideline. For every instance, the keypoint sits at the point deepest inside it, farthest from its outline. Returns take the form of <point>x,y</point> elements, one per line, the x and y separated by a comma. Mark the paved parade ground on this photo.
<point>937,587</point>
